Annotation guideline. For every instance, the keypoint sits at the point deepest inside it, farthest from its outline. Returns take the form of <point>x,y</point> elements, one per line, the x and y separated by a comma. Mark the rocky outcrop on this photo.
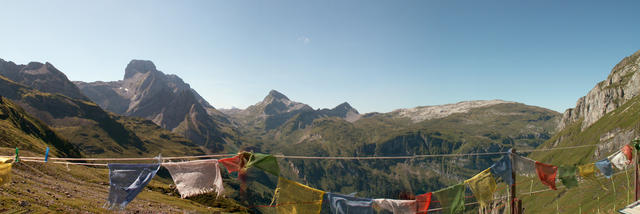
<point>42,77</point>
<point>423,113</point>
<point>622,84</point>
<point>165,99</point>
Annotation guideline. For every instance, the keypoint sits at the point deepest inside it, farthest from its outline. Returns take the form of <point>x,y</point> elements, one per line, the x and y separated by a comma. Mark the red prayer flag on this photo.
<point>233,164</point>
<point>423,201</point>
<point>628,151</point>
<point>547,174</point>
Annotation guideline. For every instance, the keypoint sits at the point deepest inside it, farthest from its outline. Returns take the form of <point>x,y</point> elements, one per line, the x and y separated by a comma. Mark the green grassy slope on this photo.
<point>624,118</point>
<point>487,129</point>
<point>17,129</point>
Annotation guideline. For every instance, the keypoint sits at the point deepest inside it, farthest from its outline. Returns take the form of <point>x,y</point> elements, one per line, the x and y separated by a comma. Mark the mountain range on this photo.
<point>150,112</point>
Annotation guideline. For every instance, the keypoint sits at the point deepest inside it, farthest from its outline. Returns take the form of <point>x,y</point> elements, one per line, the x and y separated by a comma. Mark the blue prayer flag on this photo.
<point>502,169</point>
<point>343,204</point>
<point>127,181</point>
<point>604,166</point>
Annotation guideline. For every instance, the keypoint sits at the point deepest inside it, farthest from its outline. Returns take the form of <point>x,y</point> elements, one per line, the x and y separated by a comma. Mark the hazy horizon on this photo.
<point>378,56</point>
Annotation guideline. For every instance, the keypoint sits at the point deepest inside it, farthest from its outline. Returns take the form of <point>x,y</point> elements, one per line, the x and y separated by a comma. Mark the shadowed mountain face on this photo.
<point>42,77</point>
<point>93,131</point>
<point>18,129</point>
<point>167,101</point>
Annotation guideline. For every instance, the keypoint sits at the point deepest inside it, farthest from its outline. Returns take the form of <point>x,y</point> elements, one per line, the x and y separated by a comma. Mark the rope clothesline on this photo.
<point>306,157</point>
<point>557,148</point>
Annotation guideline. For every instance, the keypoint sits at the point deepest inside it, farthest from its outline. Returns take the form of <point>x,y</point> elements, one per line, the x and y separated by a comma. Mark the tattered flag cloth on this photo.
<point>266,162</point>
<point>293,197</point>
<point>547,174</point>
<point>622,158</point>
<point>605,168</point>
<point>587,170</point>
<point>568,176</point>
<point>196,177</point>
<point>524,166</point>
<point>345,204</point>
<point>483,185</point>
<point>126,181</point>
<point>502,169</point>
<point>423,202</point>
<point>5,170</point>
<point>451,199</point>
<point>396,206</point>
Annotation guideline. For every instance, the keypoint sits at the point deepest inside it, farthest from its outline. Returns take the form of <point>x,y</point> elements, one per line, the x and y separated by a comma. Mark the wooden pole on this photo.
<point>512,195</point>
<point>637,188</point>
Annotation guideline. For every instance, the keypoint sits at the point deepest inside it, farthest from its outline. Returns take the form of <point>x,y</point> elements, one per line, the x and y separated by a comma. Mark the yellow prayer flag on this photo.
<point>5,170</point>
<point>587,170</point>
<point>295,198</point>
<point>483,185</point>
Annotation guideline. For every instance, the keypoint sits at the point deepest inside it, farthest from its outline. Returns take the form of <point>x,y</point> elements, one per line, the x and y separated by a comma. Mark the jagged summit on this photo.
<point>345,107</point>
<point>164,99</point>
<point>276,95</point>
<point>138,66</point>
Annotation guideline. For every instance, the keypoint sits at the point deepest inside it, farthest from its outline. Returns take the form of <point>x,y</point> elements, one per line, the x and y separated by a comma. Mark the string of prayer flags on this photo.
<point>293,198</point>
<point>127,181</point>
<point>345,204</point>
<point>266,162</point>
<point>451,198</point>
<point>568,176</point>
<point>396,206</point>
<point>423,202</point>
<point>483,185</point>
<point>502,169</point>
<point>605,168</point>
<point>196,177</point>
<point>5,170</point>
<point>547,174</point>
<point>524,166</point>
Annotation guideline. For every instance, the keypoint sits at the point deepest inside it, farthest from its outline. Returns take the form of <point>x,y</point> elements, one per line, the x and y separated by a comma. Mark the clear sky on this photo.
<point>377,55</point>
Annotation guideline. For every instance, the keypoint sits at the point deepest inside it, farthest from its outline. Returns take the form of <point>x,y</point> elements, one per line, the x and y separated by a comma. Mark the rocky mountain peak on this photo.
<point>138,66</point>
<point>344,107</point>
<point>622,84</point>
<point>41,76</point>
<point>275,95</point>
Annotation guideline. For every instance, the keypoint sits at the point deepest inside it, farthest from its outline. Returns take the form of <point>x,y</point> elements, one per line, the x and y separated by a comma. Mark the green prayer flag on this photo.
<point>568,176</point>
<point>451,199</point>
<point>266,162</point>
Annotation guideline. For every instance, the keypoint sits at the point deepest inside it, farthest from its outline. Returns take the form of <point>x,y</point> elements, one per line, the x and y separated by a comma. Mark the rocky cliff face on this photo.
<point>42,77</point>
<point>622,84</point>
<point>165,99</point>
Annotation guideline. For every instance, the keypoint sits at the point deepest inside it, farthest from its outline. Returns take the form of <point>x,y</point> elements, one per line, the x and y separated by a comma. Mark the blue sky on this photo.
<point>377,55</point>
